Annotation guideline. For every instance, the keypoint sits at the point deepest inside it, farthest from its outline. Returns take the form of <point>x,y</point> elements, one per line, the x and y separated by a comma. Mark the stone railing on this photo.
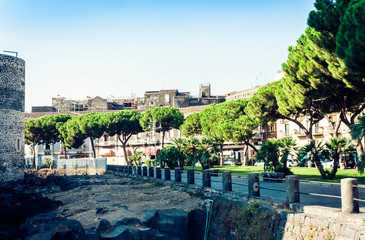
<point>349,186</point>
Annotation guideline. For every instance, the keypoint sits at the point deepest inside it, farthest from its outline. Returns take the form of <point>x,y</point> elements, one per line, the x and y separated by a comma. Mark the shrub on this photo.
<point>48,163</point>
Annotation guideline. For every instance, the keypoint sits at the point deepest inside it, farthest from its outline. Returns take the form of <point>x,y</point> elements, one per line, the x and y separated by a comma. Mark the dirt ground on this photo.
<point>111,197</point>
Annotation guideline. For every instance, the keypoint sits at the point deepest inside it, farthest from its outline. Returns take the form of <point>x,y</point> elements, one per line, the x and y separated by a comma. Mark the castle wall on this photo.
<point>12,86</point>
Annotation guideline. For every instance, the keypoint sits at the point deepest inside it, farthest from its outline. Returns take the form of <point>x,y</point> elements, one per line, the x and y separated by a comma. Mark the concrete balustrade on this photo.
<point>206,178</point>
<point>292,189</point>
<point>158,172</point>
<point>178,171</point>
<point>227,180</point>
<point>349,186</point>
<point>253,185</point>
<point>167,174</point>
<point>151,172</point>
<point>144,171</point>
<point>190,175</point>
<point>349,194</point>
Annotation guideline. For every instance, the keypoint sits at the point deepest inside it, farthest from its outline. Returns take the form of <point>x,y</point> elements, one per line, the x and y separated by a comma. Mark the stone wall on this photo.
<point>305,226</point>
<point>12,83</point>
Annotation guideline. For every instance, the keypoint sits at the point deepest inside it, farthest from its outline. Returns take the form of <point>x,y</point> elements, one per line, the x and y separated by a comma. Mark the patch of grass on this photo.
<point>304,173</point>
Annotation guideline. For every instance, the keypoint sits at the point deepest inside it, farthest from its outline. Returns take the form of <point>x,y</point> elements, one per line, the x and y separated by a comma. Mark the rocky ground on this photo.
<point>90,207</point>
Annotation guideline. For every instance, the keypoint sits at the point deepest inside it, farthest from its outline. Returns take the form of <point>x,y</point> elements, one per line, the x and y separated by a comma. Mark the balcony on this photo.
<point>318,133</point>
<point>299,133</point>
<point>136,142</point>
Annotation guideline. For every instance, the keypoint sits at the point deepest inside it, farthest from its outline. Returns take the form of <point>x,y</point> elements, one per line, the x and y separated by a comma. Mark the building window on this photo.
<point>316,127</point>
<point>167,98</point>
<point>286,129</point>
<point>272,128</point>
<point>106,138</point>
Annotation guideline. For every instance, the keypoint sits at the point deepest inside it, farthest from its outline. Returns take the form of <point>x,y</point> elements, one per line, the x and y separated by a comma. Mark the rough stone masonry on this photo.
<point>12,83</point>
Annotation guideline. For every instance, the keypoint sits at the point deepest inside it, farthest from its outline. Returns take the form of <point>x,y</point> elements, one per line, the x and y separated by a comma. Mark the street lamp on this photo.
<point>154,128</point>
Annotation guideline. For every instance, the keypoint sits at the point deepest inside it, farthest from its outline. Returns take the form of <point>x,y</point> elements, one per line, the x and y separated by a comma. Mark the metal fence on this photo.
<point>82,165</point>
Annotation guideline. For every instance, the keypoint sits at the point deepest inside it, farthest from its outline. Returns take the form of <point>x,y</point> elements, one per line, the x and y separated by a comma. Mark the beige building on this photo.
<point>174,98</point>
<point>247,93</point>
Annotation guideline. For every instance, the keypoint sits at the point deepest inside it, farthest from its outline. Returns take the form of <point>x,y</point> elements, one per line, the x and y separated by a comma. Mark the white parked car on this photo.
<point>291,163</point>
<point>228,163</point>
<point>259,164</point>
<point>328,164</point>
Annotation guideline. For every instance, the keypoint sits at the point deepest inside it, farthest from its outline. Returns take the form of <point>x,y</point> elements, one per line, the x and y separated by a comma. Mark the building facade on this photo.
<point>176,99</point>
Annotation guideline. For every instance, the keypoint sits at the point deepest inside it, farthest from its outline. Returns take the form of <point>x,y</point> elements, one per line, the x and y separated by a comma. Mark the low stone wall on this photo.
<point>307,226</point>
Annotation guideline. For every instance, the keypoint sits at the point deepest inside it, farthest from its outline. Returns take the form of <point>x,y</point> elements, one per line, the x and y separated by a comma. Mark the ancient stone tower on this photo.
<point>204,91</point>
<point>12,81</point>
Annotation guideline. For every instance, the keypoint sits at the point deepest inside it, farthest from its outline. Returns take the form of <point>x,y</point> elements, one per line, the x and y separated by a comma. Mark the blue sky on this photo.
<point>118,48</point>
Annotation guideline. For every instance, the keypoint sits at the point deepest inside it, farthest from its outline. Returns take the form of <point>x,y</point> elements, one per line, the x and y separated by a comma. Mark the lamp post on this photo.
<point>154,128</point>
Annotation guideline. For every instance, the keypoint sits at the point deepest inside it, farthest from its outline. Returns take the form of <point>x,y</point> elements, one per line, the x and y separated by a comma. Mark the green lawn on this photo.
<point>304,173</point>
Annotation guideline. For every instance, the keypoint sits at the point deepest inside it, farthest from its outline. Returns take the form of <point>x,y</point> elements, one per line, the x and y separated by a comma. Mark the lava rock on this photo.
<point>104,226</point>
<point>60,229</point>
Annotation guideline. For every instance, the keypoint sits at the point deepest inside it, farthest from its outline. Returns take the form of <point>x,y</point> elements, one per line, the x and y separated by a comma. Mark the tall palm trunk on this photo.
<point>33,163</point>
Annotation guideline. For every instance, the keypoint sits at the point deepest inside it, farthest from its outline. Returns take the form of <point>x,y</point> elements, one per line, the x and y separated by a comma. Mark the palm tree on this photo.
<point>206,151</point>
<point>192,144</point>
<point>286,146</point>
<point>315,150</point>
<point>336,147</point>
<point>269,153</point>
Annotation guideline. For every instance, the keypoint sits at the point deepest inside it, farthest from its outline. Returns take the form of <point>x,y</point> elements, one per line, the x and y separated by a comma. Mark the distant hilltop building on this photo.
<point>12,82</point>
<point>161,98</point>
<point>174,98</point>
<point>96,104</point>
<point>247,93</point>
<point>279,75</point>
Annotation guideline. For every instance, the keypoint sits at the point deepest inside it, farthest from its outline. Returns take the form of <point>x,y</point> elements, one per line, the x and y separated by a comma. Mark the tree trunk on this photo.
<point>125,153</point>
<point>65,151</point>
<point>163,139</point>
<point>319,166</point>
<point>359,148</point>
<point>34,157</point>
<point>221,147</point>
<point>245,148</point>
<point>124,143</point>
<point>341,161</point>
<point>252,146</point>
<point>285,160</point>
<point>92,145</point>
<point>336,159</point>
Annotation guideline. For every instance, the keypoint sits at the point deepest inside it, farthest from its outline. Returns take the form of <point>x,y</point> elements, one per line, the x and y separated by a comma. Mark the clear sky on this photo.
<point>80,48</point>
